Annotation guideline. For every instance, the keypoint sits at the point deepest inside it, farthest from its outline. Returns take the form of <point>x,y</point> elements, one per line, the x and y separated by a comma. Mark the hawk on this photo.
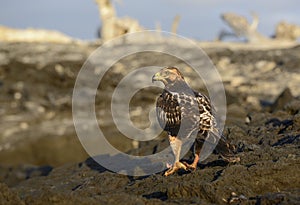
<point>182,112</point>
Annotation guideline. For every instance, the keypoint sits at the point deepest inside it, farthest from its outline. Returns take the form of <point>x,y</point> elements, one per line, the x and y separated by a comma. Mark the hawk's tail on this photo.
<point>223,148</point>
<point>226,150</point>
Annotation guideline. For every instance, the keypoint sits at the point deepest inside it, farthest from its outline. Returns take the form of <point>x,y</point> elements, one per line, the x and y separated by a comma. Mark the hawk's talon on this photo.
<point>190,167</point>
<point>177,166</point>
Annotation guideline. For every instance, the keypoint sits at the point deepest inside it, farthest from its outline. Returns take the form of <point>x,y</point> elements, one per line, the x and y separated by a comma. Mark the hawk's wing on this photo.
<point>207,120</point>
<point>168,113</point>
<point>208,123</point>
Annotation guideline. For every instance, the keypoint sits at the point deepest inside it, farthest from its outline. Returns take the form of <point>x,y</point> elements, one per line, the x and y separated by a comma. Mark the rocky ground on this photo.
<point>43,162</point>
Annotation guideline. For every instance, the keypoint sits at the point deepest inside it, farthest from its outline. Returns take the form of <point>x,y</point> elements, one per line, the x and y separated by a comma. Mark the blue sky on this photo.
<point>199,19</point>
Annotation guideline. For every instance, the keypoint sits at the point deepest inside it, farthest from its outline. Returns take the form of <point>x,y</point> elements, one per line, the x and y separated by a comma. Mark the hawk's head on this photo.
<point>168,75</point>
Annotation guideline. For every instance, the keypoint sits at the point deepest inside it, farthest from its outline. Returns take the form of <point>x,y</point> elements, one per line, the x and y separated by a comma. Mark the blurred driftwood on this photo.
<point>287,31</point>
<point>175,24</point>
<point>33,35</point>
<point>112,26</point>
<point>242,28</point>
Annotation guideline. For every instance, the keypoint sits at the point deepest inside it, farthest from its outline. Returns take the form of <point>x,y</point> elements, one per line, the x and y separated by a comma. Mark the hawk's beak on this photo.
<point>156,77</point>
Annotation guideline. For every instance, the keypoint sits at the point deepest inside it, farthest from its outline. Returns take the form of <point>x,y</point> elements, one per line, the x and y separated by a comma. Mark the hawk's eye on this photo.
<point>167,72</point>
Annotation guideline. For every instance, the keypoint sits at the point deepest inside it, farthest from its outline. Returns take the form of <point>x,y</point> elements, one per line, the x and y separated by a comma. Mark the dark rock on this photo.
<point>293,107</point>
<point>9,197</point>
<point>283,125</point>
<point>279,198</point>
<point>288,140</point>
<point>284,98</point>
<point>12,175</point>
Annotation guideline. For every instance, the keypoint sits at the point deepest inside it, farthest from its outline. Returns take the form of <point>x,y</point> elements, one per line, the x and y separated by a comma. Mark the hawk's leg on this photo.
<point>193,166</point>
<point>226,151</point>
<point>176,148</point>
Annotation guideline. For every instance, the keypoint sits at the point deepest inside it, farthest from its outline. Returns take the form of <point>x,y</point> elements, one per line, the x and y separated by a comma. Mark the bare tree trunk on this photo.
<point>112,26</point>
<point>107,15</point>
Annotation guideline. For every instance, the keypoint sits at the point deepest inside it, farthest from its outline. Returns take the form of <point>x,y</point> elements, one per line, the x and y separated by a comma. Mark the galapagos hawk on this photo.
<point>182,111</point>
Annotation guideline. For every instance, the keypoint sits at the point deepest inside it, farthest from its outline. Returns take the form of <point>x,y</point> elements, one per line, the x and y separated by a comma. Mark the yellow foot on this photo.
<point>191,167</point>
<point>175,168</point>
